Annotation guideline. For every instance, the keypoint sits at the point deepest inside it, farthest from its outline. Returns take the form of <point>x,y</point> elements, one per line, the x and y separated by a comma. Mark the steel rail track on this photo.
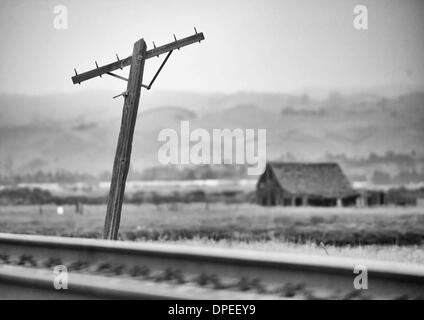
<point>21,283</point>
<point>324,277</point>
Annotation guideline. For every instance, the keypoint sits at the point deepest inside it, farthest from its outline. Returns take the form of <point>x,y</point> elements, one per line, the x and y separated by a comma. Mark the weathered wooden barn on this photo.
<point>303,184</point>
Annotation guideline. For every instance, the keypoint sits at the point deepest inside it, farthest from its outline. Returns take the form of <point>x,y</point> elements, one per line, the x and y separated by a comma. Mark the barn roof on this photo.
<point>313,179</point>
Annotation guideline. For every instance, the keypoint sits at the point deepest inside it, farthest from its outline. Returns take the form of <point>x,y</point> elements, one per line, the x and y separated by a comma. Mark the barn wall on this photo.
<point>268,191</point>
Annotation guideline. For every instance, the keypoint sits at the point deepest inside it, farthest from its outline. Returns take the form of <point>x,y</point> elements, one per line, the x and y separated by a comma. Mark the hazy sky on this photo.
<point>277,46</point>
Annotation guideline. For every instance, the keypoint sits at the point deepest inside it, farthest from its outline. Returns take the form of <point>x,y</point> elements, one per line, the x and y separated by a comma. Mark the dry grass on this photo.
<point>333,226</point>
<point>403,254</point>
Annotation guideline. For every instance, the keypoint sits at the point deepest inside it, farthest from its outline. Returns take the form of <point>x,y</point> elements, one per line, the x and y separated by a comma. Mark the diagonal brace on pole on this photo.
<point>157,72</point>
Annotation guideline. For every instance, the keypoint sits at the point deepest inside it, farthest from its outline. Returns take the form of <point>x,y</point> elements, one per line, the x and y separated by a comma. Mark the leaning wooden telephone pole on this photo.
<point>129,116</point>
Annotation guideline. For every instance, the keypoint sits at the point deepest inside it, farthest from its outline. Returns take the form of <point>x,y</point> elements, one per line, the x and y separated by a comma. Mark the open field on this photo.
<point>247,223</point>
<point>391,234</point>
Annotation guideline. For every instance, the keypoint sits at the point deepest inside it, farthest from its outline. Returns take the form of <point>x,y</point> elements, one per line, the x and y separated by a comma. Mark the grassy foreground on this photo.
<point>392,253</point>
<point>246,223</point>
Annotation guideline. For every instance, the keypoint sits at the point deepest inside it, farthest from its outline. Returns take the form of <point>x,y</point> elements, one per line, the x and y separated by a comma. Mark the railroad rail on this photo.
<point>117,269</point>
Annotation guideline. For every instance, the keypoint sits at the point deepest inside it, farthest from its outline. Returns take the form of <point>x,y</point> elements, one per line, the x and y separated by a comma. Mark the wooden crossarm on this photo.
<point>127,61</point>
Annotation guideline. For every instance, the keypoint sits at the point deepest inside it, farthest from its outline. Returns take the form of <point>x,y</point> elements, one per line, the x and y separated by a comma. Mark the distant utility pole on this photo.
<point>129,116</point>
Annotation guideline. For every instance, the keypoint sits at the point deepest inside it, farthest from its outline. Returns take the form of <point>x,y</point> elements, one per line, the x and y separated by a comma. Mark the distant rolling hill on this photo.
<point>78,132</point>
